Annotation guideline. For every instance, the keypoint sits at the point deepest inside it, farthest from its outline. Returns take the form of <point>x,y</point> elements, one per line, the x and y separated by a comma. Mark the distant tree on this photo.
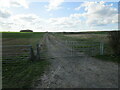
<point>26,30</point>
<point>114,40</point>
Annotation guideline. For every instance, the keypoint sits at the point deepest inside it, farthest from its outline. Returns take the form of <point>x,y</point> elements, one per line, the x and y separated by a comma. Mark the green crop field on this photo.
<point>21,34</point>
<point>22,74</point>
<point>21,38</point>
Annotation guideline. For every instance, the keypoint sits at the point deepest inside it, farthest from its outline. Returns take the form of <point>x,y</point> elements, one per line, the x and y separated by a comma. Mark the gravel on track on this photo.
<point>76,70</point>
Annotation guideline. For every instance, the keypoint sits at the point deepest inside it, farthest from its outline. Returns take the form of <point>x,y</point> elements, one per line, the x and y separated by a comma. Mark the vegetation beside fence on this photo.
<point>22,74</point>
<point>113,47</point>
<point>114,41</point>
<point>103,37</point>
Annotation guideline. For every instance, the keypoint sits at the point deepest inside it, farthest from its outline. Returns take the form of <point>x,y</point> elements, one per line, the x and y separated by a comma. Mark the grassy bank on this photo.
<point>21,74</point>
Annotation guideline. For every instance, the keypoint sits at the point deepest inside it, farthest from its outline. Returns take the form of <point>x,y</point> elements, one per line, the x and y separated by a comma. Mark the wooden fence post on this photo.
<point>32,56</point>
<point>101,48</point>
<point>38,53</point>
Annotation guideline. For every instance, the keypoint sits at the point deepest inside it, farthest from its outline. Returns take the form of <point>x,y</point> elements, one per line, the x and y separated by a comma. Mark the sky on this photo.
<point>58,15</point>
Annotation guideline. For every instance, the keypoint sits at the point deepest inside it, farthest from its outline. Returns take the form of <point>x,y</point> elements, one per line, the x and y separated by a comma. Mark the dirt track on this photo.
<point>76,70</point>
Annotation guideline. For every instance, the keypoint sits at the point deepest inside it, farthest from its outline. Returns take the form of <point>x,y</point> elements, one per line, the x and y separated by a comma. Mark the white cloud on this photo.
<point>54,4</point>
<point>13,3</point>
<point>4,13</point>
<point>32,21</point>
<point>27,21</point>
<point>6,20</point>
<point>92,18</point>
<point>65,23</point>
<point>98,14</point>
<point>5,24</point>
<point>22,21</point>
<point>24,17</point>
<point>78,8</point>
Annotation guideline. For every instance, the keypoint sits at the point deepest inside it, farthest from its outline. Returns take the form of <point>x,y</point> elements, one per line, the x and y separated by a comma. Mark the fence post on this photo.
<point>101,48</point>
<point>38,53</point>
<point>66,43</point>
<point>32,56</point>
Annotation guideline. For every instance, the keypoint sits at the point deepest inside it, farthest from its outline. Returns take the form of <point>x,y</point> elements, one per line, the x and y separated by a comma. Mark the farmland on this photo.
<point>74,60</point>
<point>22,73</point>
<point>22,38</point>
<point>72,68</point>
<point>93,37</point>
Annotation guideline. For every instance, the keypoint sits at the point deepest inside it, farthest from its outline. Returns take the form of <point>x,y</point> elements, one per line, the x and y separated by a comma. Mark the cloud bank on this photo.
<point>13,3</point>
<point>96,16</point>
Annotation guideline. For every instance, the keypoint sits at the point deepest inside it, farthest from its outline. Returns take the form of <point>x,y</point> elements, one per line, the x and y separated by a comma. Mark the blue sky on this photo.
<point>58,15</point>
<point>38,8</point>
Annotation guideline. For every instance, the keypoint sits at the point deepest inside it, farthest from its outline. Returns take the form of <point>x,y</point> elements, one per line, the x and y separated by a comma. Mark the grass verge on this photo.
<point>111,58</point>
<point>21,75</point>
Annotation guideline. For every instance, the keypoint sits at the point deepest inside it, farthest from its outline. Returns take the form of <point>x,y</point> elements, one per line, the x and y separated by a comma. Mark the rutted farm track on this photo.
<point>68,70</point>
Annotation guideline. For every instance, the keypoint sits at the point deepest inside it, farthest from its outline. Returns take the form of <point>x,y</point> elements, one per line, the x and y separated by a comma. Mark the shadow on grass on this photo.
<point>21,75</point>
<point>108,58</point>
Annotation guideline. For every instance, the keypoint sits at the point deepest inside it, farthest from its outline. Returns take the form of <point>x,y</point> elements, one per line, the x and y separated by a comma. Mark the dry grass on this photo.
<point>14,41</point>
<point>94,37</point>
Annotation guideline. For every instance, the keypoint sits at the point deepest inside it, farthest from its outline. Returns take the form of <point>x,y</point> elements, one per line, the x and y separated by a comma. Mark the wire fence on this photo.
<point>17,53</point>
<point>87,47</point>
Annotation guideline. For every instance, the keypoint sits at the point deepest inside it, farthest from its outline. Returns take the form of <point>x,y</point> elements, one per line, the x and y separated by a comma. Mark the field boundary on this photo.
<point>87,47</point>
<point>20,52</point>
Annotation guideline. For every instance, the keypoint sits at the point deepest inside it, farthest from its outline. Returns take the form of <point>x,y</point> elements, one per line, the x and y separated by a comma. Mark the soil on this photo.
<point>75,70</point>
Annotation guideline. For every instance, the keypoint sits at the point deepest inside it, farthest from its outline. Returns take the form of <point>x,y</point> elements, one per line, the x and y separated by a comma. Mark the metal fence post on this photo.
<point>38,53</point>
